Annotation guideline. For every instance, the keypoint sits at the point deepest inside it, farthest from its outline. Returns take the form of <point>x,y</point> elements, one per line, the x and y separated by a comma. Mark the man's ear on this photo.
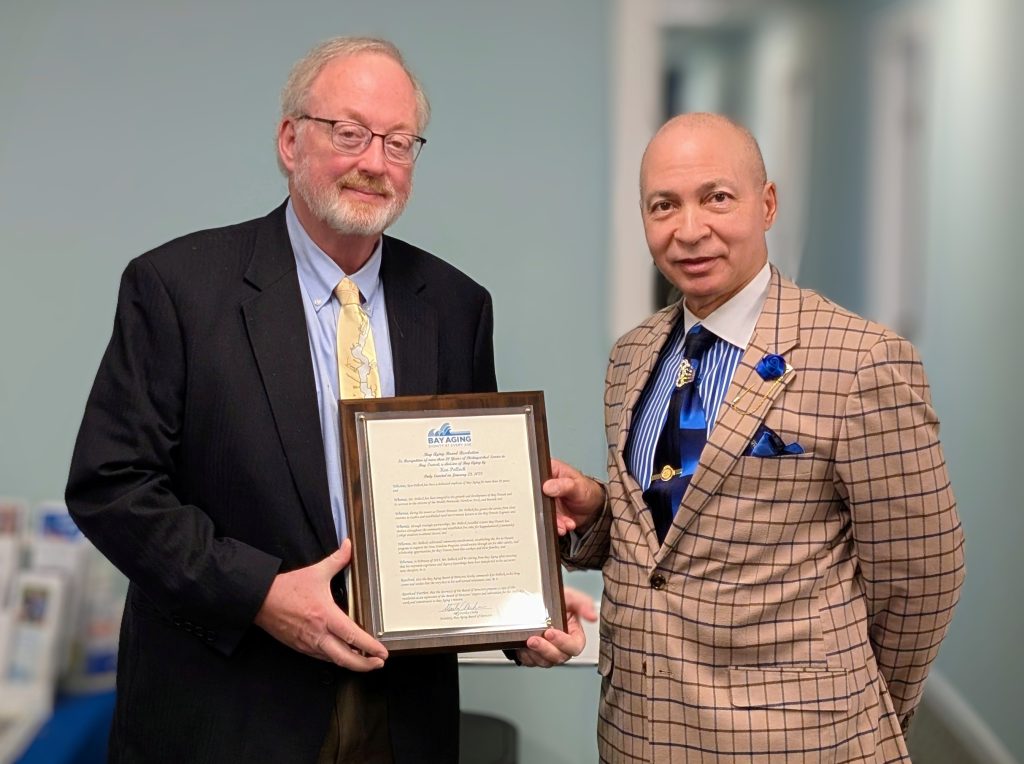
<point>770,202</point>
<point>286,144</point>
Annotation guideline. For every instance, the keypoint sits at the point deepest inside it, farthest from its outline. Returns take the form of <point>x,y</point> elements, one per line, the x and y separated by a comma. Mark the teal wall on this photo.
<point>833,262</point>
<point>129,122</point>
<point>971,344</point>
<point>971,312</point>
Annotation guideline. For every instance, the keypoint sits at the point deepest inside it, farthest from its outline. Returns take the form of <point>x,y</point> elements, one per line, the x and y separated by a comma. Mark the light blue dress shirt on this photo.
<point>318,276</point>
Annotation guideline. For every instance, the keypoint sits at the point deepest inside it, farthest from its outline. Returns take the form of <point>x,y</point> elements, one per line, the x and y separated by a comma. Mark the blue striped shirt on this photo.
<point>733,323</point>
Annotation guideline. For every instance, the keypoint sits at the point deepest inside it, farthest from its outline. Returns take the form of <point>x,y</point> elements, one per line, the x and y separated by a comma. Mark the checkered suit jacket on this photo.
<point>798,602</point>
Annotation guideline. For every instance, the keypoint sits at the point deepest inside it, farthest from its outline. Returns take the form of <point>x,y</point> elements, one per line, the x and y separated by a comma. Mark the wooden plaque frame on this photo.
<point>365,582</point>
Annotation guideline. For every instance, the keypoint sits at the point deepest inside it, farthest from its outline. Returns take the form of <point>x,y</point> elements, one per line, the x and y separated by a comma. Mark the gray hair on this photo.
<point>305,71</point>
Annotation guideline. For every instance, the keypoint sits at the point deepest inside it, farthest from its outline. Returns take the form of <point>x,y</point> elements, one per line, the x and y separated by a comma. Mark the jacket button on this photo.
<point>657,581</point>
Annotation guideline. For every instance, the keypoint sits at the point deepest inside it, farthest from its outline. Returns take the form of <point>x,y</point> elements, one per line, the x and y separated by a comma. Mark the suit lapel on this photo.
<point>746,403</point>
<point>412,324</point>
<point>280,342</point>
<point>650,346</point>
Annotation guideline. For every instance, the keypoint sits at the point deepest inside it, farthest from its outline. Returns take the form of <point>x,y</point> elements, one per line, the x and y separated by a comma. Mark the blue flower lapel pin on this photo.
<point>772,366</point>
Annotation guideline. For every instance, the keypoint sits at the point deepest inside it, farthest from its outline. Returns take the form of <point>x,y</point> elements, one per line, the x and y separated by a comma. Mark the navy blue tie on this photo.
<point>683,436</point>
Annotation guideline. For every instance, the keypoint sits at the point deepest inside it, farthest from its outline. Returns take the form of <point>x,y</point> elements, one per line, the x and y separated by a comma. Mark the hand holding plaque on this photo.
<point>453,539</point>
<point>555,647</point>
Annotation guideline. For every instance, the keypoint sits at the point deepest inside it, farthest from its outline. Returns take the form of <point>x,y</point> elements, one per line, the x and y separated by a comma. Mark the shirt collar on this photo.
<point>319,274</point>
<point>735,320</point>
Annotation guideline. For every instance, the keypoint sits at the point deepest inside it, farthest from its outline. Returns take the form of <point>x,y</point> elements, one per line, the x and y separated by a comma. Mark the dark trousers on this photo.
<point>358,732</point>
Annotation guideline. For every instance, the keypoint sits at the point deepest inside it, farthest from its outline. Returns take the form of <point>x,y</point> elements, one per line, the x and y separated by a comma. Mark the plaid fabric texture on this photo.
<point>798,602</point>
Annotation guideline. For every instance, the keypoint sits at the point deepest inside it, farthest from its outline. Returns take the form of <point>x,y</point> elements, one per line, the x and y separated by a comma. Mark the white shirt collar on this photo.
<point>735,320</point>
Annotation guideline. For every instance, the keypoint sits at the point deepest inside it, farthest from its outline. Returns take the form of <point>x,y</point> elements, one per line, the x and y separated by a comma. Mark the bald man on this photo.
<point>780,545</point>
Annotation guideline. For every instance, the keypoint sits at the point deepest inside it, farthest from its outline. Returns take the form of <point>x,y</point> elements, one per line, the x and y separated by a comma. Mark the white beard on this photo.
<point>346,216</point>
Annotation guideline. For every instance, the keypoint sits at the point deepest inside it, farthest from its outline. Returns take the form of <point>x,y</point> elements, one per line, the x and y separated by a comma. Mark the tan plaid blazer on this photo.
<point>798,602</point>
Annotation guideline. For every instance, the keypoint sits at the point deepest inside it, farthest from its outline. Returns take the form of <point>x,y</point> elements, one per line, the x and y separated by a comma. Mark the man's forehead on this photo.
<point>367,83</point>
<point>700,154</point>
<point>357,69</point>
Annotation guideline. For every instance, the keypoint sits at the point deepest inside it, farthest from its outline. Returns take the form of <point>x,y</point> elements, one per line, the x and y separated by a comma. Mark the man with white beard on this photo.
<point>207,467</point>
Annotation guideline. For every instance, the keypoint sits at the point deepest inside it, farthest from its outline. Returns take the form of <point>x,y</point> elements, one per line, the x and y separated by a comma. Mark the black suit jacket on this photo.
<point>199,471</point>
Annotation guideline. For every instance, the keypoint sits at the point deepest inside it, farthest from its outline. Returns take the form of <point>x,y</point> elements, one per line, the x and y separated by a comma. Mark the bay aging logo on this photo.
<point>444,435</point>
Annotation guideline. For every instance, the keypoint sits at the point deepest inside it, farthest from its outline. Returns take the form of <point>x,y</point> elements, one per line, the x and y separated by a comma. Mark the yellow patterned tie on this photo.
<point>357,357</point>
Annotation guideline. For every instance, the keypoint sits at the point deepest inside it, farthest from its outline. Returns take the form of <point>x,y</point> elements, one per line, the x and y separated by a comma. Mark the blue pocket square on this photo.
<point>766,442</point>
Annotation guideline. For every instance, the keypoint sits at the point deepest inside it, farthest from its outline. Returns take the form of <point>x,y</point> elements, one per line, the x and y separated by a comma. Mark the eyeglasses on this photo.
<point>353,138</point>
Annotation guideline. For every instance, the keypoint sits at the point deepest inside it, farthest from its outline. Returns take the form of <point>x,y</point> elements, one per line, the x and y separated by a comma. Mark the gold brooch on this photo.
<point>759,398</point>
<point>686,373</point>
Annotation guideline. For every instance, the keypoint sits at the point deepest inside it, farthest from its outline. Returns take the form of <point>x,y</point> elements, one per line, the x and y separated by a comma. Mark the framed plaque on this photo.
<point>453,541</point>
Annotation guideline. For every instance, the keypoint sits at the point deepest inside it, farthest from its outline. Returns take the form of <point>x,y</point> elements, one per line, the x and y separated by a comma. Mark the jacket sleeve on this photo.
<point>484,379</point>
<point>892,474</point>
<point>589,550</point>
<point>123,488</point>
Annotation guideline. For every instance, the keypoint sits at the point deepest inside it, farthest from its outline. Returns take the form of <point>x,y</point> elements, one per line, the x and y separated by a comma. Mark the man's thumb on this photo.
<point>339,558</point>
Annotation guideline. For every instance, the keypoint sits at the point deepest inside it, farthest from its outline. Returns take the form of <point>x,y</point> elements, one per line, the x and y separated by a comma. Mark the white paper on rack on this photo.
<point>94,649</point>
<point>23,710</point>
<point>57,545</point>
<point>6,631</point>
<point>68,560</point>
<point>10,554</point>
<point>36,628</point>
<point>13,516</point>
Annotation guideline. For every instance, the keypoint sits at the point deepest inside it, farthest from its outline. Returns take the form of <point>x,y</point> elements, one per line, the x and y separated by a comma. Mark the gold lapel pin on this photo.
<point>759,398</point>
